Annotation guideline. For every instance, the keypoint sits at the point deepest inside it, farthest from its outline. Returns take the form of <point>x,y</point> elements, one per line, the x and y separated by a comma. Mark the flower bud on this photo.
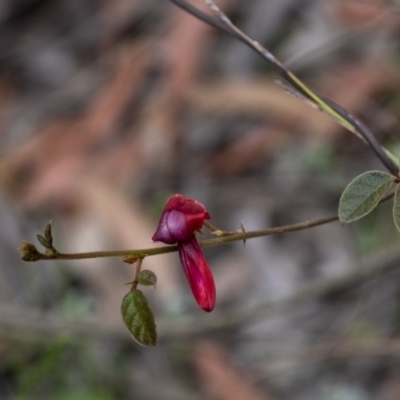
<point>181,218</point>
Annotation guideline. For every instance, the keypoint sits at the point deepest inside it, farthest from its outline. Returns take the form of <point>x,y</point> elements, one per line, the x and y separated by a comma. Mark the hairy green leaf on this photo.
<point>147,278</point>
<point>139,318</point>
<point>362,195</point>
<point>396,208</point>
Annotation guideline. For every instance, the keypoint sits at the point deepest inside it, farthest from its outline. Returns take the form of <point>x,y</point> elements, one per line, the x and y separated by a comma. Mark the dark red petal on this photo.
<point>175,202</point>
<point>179,202</point>
<point>194,222</point>
<point>198,273</point>
<point>191,206</point>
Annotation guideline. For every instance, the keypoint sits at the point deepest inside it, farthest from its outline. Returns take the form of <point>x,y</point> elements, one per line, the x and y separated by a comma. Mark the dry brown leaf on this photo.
<point>55,156</point>
<point>355,13</point>
<point>258,98</point>
<point>221,379</point>
<point>245,152</point>
<point>364,79</point>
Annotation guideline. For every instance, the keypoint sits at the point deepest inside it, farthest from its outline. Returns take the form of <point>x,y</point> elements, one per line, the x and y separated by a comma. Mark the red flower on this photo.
<point>179,221</point>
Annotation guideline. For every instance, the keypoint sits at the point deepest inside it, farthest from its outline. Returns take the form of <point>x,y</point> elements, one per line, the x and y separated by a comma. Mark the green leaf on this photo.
<point>147,278</point>
<point>47,234</point>
<point>396,208</point>
<point>139,318</point>
<point>42,241</point>
<point>362,195</point>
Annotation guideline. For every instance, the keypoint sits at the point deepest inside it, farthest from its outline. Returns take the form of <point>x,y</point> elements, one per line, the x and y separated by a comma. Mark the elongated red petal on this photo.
<point>198,273</point>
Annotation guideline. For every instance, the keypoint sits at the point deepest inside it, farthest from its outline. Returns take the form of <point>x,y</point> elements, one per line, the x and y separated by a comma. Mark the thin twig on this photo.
<point>344,117</point>
<point>226,237</point>
<point>21,325</point>
<point>30,252</point>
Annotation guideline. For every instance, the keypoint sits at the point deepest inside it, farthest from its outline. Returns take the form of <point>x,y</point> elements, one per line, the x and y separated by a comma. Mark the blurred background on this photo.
<point>109,107</point>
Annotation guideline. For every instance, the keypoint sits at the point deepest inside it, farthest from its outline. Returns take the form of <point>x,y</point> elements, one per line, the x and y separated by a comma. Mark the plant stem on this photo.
<point>137,272</point>
<point>296,86</point>
<point>226,237</point>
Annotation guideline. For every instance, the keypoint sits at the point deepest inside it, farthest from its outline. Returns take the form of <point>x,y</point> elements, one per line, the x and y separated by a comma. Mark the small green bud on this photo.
<point>147,278</point>
<point>42,241</point>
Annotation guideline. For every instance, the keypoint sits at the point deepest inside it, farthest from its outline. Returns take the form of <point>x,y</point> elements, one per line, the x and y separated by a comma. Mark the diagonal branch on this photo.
<point>341,115</point>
